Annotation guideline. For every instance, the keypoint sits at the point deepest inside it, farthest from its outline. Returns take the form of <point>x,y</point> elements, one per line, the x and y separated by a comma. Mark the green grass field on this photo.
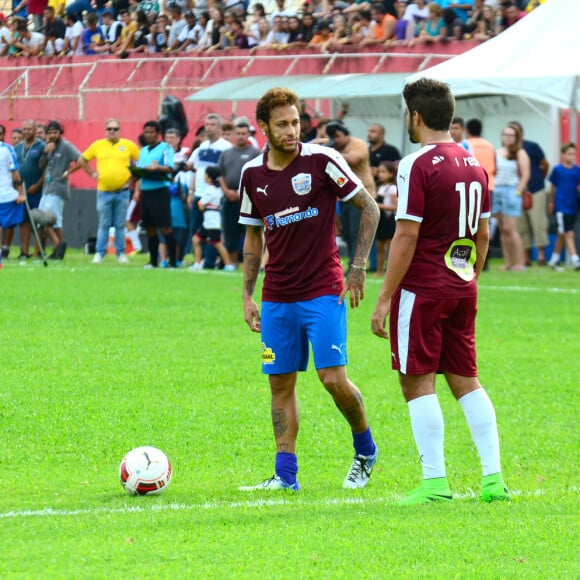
<point>97,360</point>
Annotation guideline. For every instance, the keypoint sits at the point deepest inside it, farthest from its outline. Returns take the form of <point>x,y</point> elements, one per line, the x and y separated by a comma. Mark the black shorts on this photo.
<point>566,222</point>
<point>233,231</point>
<point>156,208</point>
<point>209,236</point>
<point>386,227</point>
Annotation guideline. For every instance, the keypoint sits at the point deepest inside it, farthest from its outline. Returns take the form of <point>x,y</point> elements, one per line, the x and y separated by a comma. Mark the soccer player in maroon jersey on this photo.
<point>430,289</point>
<point>289,194</point>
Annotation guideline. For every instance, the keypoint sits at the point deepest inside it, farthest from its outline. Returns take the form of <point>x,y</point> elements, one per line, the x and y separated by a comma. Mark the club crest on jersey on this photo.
<point>302,183</point>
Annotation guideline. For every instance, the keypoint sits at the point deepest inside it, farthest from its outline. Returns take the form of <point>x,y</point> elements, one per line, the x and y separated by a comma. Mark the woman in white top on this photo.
<point>511,179</point>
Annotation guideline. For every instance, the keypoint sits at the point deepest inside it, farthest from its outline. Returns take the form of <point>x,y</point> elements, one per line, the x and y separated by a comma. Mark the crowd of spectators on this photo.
<point>124,27</point>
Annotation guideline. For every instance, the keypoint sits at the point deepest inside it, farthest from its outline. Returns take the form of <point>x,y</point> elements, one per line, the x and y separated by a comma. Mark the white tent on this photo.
<point>535,60</point>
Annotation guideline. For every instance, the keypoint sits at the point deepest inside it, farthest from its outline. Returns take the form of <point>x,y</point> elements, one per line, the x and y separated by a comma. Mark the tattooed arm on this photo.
<point>369,221</point>
<point>253,248</point>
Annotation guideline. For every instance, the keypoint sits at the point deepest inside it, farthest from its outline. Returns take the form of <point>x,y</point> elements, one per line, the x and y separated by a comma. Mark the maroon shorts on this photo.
<point>430,335</point>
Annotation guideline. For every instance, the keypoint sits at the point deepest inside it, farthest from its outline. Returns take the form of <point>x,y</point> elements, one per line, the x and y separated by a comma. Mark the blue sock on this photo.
<point>287,466</point>
<point>363,443</point>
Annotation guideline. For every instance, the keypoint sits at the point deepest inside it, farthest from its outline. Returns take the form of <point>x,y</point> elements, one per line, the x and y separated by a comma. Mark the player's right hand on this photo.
<point>379,319</point>
<point>252,315</point>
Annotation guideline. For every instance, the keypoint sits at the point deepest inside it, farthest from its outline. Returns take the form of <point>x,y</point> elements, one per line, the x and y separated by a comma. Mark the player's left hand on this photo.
<point>355,285</point>
<point>379,319</point>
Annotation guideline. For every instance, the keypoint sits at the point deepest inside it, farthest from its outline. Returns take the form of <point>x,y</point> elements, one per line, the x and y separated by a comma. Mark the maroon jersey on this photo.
<point>297,207</point>
<point>443,187</point>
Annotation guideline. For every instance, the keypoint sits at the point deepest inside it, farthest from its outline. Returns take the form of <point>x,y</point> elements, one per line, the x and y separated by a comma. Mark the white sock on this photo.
<point>428,430</point>
<point>133,235</point>
<point>480,416</point>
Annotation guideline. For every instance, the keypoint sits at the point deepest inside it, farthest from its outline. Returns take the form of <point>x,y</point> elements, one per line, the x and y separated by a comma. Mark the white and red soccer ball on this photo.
<point>145,471</point>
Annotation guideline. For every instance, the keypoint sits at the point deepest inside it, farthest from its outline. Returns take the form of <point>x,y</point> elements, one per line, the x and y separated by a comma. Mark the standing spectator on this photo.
<point>56,160</point>
<point>29,153</point>
<point>511,178</point>
<point>73,43</point>
<point>93,37</point>
<point>41,131</point>
<point>208,153</point>
<point>230,163</point>
<point>533,223</point>
<point>11,193</point>
<point>114,155</point>
<point>16,136</point>
<point>210,230</point>
<point>356,153</point>
<point>307,130</point>
<point>565,180</point>
<point>432,326</point>
<point>387,202</point>
<point>178,189</point>
<point>483,150</point>
<point>456,130</point>
<point>293,189</point>
<point>379,149</point>
<point>36,9</point>
<point>156,161</point>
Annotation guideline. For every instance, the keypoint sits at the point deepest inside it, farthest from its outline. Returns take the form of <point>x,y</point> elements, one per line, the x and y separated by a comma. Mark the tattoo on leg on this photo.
<point>354,411</point>
<point>279,422</point>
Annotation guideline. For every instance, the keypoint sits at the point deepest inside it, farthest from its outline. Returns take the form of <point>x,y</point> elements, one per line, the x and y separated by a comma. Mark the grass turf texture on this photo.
<point>97,360</point>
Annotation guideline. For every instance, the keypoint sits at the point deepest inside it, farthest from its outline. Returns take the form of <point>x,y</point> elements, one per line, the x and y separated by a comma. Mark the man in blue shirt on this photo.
<point>533,223</point>
<point>29,152</point>
<point>156,163</point>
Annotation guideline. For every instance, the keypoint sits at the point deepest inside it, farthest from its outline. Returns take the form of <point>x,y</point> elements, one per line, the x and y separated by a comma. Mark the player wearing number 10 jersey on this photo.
<point>430,289</point>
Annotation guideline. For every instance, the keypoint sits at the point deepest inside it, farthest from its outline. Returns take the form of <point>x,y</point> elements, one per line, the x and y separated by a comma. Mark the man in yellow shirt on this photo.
<point>114,155</point>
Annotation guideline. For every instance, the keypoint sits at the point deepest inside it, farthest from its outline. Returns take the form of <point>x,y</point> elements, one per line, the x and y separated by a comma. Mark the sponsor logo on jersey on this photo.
<point>336,174</point>
<point>437,159</point>
<point>262,190</point>
<point>289,216</point>
<point>302,183</point>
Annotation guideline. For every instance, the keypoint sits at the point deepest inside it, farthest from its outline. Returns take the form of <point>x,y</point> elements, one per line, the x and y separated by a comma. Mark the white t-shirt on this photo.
<point>212,200</point>
<point>8,164</point>
<point>205,155</point>
<point>72,32</point>
<point>4,37</point>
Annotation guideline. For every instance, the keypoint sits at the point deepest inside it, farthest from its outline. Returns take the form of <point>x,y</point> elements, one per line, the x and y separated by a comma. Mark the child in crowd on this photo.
<point>387,202</point>
<point>565,180</point>
<point>210,232</point>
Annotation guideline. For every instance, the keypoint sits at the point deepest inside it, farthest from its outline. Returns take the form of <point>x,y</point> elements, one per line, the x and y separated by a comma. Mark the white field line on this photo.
<point>258,503</point>
<point>530,289</point>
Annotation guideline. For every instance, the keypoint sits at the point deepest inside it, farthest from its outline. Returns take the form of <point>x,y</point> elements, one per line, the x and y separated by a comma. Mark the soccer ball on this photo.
<point>145,471</point>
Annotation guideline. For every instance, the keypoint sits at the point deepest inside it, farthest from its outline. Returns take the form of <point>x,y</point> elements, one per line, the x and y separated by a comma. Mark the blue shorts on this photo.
<point>11,214</point>
<point>289,327</point>
<point>55,204</point>
<point>505,201</point>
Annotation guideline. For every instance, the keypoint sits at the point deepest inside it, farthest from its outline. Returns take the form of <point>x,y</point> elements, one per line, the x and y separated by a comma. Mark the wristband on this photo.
<point>355,267</point>
<point>519,193</point>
